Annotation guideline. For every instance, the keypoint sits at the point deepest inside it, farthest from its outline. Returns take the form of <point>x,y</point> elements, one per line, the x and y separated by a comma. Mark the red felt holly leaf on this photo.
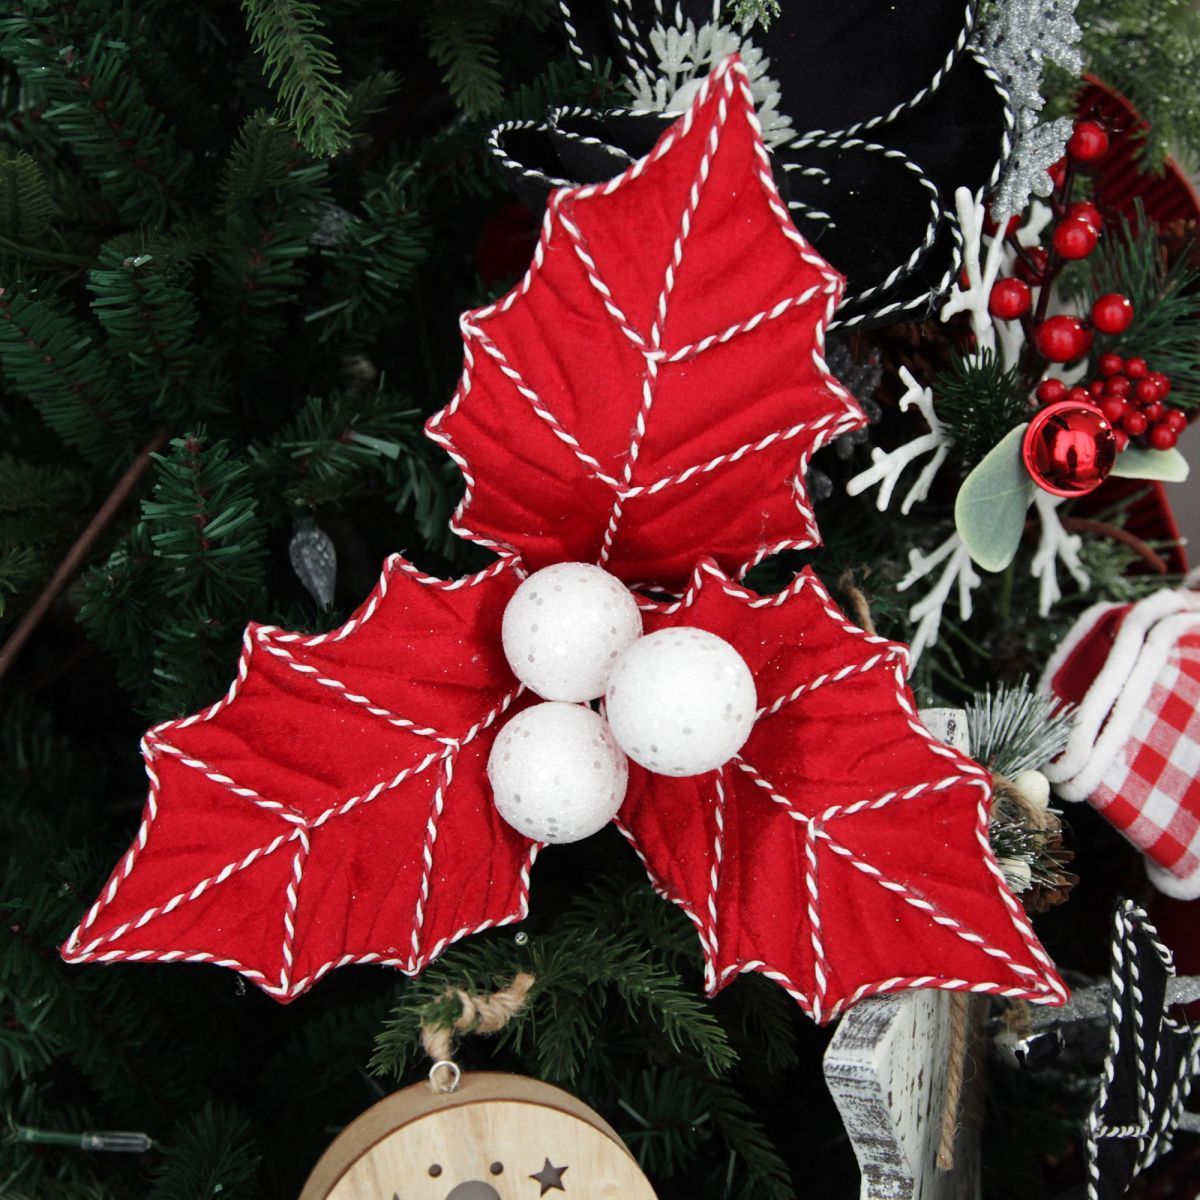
<point>844,852</point>
<point>653,388</point>
<point>333,808</point>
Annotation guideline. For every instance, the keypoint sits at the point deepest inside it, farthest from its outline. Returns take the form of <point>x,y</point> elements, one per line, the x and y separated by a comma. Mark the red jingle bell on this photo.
<point>1069,448</point>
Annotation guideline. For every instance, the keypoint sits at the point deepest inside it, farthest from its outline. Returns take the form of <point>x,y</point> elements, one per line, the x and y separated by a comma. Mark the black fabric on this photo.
<point>839,63</point>
<point>1149,1066</point>
<point>891,228</point>
<point>882,211</point>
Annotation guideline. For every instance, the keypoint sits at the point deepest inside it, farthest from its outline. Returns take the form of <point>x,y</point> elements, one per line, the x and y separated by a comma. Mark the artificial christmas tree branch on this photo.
<point>79,551</point>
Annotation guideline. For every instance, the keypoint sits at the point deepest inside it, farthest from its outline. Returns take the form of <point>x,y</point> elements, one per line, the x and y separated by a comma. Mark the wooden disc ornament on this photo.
<point>495,1137</point>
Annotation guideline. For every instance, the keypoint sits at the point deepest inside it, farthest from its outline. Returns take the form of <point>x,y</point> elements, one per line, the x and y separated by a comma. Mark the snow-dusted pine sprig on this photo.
<point>1016,728</point>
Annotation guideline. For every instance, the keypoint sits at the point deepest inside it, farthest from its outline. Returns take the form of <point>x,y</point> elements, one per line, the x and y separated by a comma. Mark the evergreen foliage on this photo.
<point>290,35</point>
<point>1166,320</point>
<point>1150,51</point>
<point>248,230</point>
<point>25,202</point>
<point>979,402</point>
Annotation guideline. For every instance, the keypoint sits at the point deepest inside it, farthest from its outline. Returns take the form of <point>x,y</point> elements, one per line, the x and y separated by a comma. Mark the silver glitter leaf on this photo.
<point>314,559</point>
<point>1018,41</point>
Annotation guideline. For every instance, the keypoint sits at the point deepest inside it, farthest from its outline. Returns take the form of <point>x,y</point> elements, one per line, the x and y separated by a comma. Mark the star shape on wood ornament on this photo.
<point>333,807</point>
<point>1151,1061</point>
<point>550,1177</point>
<point>653,388</point>
<point>844,851</point>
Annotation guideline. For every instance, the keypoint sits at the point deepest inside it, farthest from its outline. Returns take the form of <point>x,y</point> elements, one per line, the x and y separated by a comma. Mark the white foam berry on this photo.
<point>557,774</point>
<point>681,701</point>
<point>564,628</point>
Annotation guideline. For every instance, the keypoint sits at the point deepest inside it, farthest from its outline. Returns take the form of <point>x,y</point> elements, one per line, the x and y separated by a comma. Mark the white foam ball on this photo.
<point>1034,788</point>
<point>565,626</point>
<point>557,774</point>
<point>681,701</point>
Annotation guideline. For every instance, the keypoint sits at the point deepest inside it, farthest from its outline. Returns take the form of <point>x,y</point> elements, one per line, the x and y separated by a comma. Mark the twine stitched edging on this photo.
<point>487,1013</point>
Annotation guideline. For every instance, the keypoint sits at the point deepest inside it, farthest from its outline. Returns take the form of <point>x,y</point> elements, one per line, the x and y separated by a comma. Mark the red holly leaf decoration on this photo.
<point>844,852</point>
<point>652,390</point>
<point>333,808</point>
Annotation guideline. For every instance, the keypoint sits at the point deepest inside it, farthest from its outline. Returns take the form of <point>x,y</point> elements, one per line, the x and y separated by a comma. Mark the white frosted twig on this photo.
<point>927,612</point>
<point>981,275</point>
<point>887,466</point>
<point>1054,545</point>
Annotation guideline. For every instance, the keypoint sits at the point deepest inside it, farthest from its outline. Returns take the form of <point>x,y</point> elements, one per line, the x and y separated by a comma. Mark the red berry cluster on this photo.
<point>1075,235</point>
<point>1131,396</point>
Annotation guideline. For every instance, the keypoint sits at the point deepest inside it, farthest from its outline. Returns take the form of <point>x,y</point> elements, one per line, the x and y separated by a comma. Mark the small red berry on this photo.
<point>1122,439</point>
<point>1113,407</point>
<point>1136,368</point>
<point>1154,411</point>
<point>1148,390</point>
<point>1163,382</point>
<point>1088,142</point>
<point>1112,313</point>
<point>1010,299</point>
<point>1032,268</point>
<point>1074,239</point>
<point>1080,395</point>
<point>1117,385</point>
<point>1134,423</point>
<point>1051,391</point>
<point>1085,210</point>
<point>1062,338</point>
<point>1058,172</point>
<point>1110,364</point>
<point>1096,388</point>
<point>1163,437</point>
<point>1176,418</point>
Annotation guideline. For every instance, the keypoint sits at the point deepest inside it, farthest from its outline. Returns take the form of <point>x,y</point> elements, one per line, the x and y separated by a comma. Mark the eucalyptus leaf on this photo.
<point>1135,463</point>
<point>989,513</point>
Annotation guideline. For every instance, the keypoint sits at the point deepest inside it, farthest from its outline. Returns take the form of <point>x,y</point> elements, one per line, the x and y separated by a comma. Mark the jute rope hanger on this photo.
<point>479,1013</point>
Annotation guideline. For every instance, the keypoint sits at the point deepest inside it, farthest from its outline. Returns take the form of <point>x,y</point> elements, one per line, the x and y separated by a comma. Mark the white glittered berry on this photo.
<point>681,701</point>
<point>564,628</point>
<point>557,774</point>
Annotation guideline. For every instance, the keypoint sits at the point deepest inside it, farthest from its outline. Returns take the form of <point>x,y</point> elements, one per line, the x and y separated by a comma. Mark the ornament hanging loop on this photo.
<point>445,1076</point>
<point>477,1014</point>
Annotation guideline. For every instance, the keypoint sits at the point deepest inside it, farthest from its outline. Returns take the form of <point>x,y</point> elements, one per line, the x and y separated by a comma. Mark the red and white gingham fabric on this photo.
<point>1135,750</point>
<point>1151,793</point>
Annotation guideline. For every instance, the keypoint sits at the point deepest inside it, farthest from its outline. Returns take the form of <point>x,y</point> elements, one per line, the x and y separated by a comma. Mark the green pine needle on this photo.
<point>211,1156</point>
<point>25,205</point>
<point>460,42</point>
<point>979,402</point>
<point>1149,50</point>
<point>1166,321</point>
<point>260,161</point>
<point>300,66</point>
<point>1017,729</point>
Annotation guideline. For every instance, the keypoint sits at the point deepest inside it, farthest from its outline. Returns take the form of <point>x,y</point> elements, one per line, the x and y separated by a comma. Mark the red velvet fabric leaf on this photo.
<point>844,852</point>
<point>333,808</point>
<point>651,392</point>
